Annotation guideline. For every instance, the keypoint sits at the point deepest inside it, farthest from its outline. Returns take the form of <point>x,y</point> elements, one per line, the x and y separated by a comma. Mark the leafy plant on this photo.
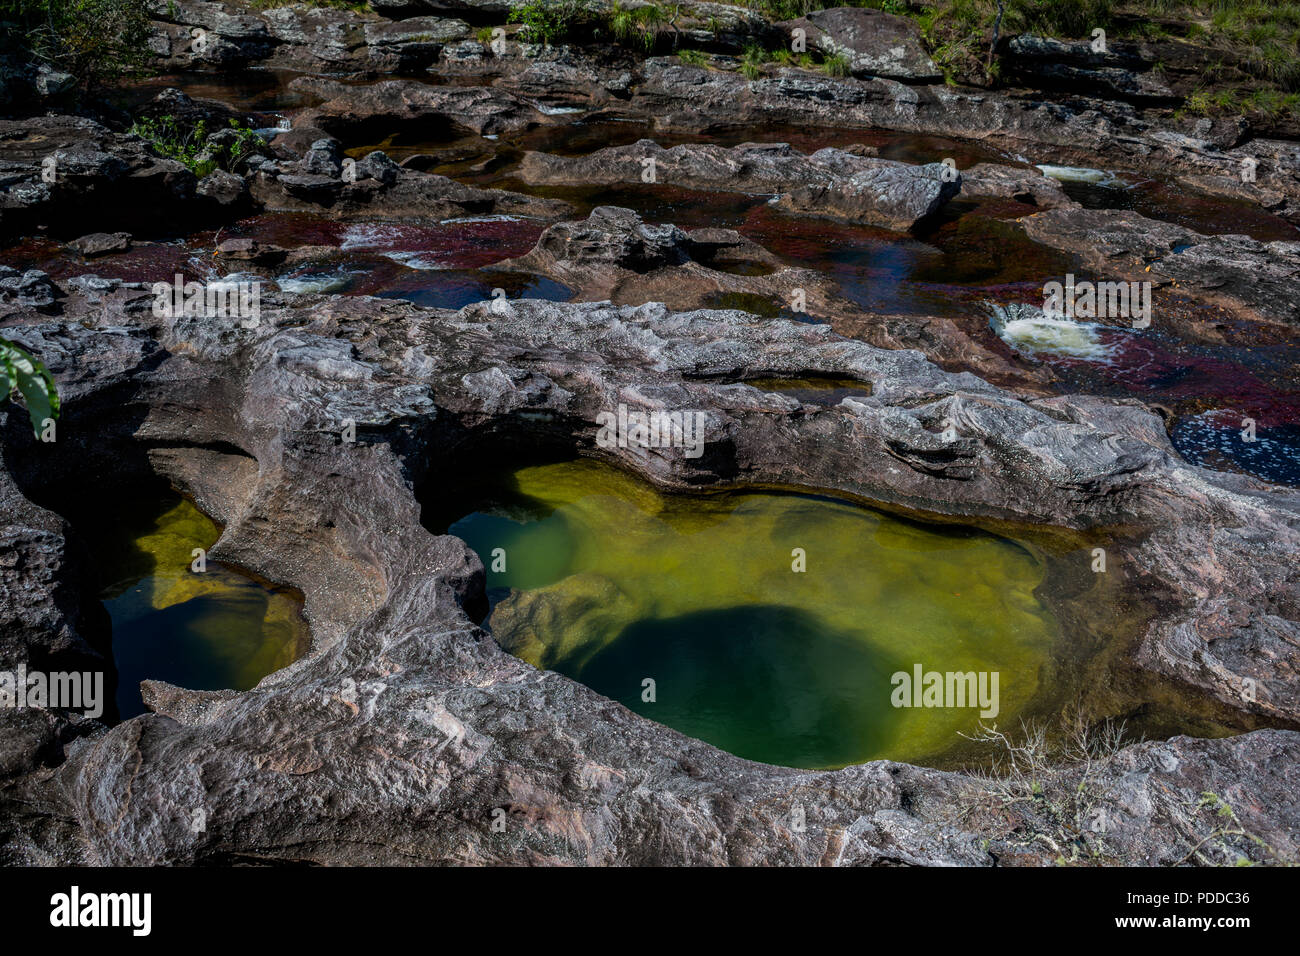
<point>20,371</point>
<point>752,60</point>
<point>1064,18</point>
<point>93,40</point>
<point>650,21</point>
<point>692,57</point>
<point>545,21</point>
<point>200,151</point>
<point>641,25</point>
<point>622,21</point>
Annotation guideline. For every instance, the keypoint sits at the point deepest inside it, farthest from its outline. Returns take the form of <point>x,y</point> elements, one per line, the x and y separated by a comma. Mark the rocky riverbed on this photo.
<point>463,256</point>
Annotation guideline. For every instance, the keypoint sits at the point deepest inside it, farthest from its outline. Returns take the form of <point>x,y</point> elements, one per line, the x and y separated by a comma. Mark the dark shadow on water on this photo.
<point>455,289</point>
<point>210,631</point>
<point>767,683</point>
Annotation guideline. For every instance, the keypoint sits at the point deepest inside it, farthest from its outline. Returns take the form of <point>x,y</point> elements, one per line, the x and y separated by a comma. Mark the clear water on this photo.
<point>612,583</point>
<point>204,631</point>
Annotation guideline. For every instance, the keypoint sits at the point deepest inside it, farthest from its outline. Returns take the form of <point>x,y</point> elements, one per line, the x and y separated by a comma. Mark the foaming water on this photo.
<point>1212,389</point>
<point>1078,174</point>
<point>314,282</point>
<point>1027,329</point>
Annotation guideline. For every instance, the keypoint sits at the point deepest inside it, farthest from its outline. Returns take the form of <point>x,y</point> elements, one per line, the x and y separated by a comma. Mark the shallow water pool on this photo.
<point>203,631</point>
<point>773,625</point>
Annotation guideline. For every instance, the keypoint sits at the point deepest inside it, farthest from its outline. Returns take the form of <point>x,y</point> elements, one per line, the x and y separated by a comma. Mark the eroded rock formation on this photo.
<point>406,732</point>
<point>405,728</point>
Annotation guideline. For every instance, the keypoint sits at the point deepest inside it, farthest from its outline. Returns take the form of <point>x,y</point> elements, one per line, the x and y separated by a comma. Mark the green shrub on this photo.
<point>1060,18</point>
<point>356,6</point>
<point>640,26</point>
<point>20,371</point>
<point>621,21</point>
<point>94,40</point>
<point>692,57</point>
<point>191,145</point>
<point>545,21</point>
<point>650,20</point>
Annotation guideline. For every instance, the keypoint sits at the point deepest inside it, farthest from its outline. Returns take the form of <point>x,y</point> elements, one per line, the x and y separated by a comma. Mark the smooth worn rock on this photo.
<point>874,43</point>
<point>250,250</point>
<point>1256,279</point>
<point>1120,71</point>
<point>31,288</point>
<point>324,158</point>
<point>376,186</point>
<point>614,255</point>
<point>831,182</point>
<point>1029,186</point>
<point>356,110</point>
<point>101,243</point>
<point>467,729</point>
<point>225,189</point>
<point>1086,132</point>
<point>53,169</point>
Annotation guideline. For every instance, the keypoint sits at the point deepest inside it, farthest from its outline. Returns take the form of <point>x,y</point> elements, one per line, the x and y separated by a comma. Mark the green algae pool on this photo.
<point>205,631</point>
<point>598,576</point>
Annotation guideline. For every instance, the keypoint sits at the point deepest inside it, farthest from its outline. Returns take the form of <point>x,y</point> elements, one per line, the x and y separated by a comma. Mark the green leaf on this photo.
<point>18,369</point>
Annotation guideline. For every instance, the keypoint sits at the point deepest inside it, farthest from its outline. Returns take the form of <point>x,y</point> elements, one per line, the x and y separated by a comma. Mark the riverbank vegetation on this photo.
<point>1246,53</point>
<point>198,148</point>
<point>91,40</point>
